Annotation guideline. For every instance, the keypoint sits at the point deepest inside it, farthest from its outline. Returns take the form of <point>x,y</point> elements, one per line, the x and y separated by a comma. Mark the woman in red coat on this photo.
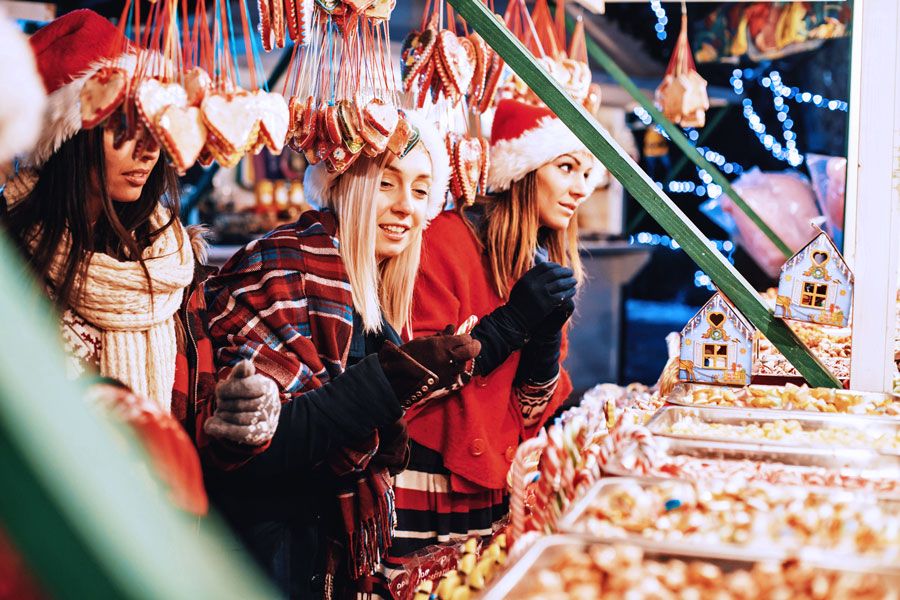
<point>514,265</point>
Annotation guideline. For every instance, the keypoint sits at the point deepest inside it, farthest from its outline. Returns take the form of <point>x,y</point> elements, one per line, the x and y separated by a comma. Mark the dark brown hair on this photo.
<point>59,204</point>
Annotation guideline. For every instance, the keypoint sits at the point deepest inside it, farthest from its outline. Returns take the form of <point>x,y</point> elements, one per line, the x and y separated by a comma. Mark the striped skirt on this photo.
<point>429,512</point>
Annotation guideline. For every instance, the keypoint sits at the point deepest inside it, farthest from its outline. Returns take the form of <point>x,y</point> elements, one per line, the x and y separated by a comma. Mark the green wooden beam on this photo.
<point>598,55</point>
<point>490,27</point>
<point>76,502</point>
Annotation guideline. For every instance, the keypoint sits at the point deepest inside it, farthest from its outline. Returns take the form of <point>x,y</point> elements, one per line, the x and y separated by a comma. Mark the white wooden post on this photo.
<point>872,245</point>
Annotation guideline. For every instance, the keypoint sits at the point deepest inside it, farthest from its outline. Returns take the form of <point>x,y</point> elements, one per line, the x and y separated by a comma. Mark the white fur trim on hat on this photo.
<point>317,180</point>
<point>63,113</point>
<point>22,102</point>
<point>511,160</point>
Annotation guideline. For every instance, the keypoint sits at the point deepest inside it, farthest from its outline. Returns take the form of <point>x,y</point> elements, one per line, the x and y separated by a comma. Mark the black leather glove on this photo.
<point>536,295</point>
<point>539,361</point>
<point>428,367</point>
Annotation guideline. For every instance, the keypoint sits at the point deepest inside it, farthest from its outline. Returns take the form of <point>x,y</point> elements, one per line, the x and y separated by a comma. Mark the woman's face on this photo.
<point>129,166</point>
<point>401,202</point>
<point>562,184</point>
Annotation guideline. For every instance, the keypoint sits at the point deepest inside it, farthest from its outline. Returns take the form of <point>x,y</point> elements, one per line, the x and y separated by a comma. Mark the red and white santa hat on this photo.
<point>68,51</point>
<point>525,137</point>
<point>317,180</point>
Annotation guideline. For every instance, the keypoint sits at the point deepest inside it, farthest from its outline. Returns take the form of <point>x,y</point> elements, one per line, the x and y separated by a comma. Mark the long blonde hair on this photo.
<point>380,291</point>
<point>510,236</point>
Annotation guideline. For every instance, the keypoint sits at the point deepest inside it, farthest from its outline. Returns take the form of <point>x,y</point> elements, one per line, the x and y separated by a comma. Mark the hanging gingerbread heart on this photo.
<point>152,96</point>
<point>331,124</point>
<point>382,116</point>
<point>359,6</point>
<point>467,164</point>
<point>274,118</point>
<point>399,140</point>
<point>493,82</point>
<point>416,55</point>
<point>231,119</point>
<point>183,135</point>
<point>102,94</point>
<point>265,24</point>
<point>485,164</point>
<point>350,125</point>
<point>309,127</point>
<point>482,63</point>
<point>423,83</point>
<point>458,70</point>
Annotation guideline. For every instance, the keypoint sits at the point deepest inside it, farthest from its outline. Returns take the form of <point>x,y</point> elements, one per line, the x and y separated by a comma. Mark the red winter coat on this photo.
<point>477,429</point>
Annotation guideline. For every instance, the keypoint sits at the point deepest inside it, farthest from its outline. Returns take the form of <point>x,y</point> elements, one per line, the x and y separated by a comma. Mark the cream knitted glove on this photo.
<point>247,407</point>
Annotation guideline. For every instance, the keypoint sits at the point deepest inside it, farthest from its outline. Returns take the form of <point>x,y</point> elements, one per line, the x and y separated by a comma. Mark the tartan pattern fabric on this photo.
<point>284,302</point>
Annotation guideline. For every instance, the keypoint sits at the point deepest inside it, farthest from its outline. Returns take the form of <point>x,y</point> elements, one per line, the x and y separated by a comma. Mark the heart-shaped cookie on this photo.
<point>492,82</point>
<point>102,94</point>
<point>182,133</point>
<point>423,82</point>
<point>417,52</point>
<point>482,63</point>
<point>485,164</point>
<point>197,84</point>
<point>332,124</point>
<point>309,127</point>
<point>273,119</point>
<point>382,116</point>
<point>265,24</point>
<point>400,138</point>
<point>277,8</point>
<point>231,118</point>
<point>467,164</point>
<point>296,107</point>
<point>456,63</point>
<point>350,125</point>
<point>152,96</point>
<point>376,142</point>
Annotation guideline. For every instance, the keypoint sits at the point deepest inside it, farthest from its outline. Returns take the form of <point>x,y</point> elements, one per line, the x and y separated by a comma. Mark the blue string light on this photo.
<point>701,279</point>
<point>661,19</point>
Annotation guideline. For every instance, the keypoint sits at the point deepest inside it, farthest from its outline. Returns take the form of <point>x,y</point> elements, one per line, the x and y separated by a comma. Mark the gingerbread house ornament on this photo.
<point>717,345</point>
<point>816,285</point>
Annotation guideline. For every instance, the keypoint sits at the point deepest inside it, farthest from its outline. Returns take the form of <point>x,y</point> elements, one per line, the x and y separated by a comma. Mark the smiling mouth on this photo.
<point>570,207</point>
<point>394,230</point>
<point>138,177</point>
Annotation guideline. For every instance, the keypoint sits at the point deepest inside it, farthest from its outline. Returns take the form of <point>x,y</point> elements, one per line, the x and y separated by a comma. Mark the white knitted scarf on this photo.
<point>138,339</point>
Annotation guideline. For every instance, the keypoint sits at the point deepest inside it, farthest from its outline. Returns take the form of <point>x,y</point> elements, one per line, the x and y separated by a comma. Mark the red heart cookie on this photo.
<point>332,124</point>
<point>400,138</point>
<point>482,64</point>
<point>493,81</point>
<point>309,127</point>
<point>381,9</point>
<point>350,125</point>
<point>417,53</point>
<point>102,94</point>
<point>455,60</point>
<point>467,165</point>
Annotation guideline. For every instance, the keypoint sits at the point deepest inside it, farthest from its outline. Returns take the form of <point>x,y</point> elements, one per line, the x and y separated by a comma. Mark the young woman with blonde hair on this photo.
<point>317,306</point>
<point>512,262</point>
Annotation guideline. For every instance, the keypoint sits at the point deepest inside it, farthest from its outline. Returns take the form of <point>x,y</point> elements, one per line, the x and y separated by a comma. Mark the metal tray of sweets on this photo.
<point>682,392</point>
<point>880,469</point>
<point>518,577</point>
<point>668,416</point>
<point>573,521</point>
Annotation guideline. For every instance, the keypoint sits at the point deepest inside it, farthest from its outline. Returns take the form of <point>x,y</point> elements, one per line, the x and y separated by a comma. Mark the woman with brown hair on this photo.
<point>96,219</point>
<point>513,263</point>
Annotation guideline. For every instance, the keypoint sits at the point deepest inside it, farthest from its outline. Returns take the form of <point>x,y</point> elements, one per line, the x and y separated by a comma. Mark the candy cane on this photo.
<point>521,473</point>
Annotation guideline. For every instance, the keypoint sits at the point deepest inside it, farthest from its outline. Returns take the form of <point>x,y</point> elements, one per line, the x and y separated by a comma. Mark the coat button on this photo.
<point>477,447</point>
<point>431,381</point>
<point>510,453</point>
<point>481,382</point>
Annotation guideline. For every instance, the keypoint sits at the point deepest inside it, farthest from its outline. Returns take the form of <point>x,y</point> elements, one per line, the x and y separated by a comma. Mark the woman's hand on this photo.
<point>429,367</point>
<point>541,290</point>
<point>247,407</point>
